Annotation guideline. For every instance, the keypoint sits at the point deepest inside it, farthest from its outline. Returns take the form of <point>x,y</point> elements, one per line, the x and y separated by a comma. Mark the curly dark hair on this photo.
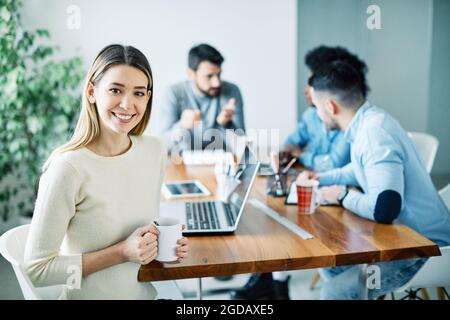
<point>322,55</point>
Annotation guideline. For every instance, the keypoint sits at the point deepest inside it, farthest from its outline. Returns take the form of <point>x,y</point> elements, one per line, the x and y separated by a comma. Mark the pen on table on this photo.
<point>274,162</point>
<point>289,165</point>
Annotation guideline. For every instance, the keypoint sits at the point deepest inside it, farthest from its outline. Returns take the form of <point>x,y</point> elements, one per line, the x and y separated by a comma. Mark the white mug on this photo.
<point>170,231</point>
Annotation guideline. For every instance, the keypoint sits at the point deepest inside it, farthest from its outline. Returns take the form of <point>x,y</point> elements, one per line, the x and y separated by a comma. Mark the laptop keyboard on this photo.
<point>229,214</point>
<point>203,215</point>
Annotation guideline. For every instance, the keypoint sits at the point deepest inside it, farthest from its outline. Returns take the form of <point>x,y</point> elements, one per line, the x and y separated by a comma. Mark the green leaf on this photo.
<point>41,53</point>
<point>33,124</point>
<point>5,14</point>
<point>10,87</point>
<point>14,146</point>
<point>43,33</point>
<point>62,124</point>
<point>11,125</point>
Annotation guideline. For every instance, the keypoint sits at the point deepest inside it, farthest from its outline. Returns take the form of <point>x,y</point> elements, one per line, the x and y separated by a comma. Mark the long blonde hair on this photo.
<point>88,125</point>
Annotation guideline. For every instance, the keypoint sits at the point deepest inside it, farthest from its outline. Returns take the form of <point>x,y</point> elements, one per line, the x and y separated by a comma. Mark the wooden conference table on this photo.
<point>261,244</point>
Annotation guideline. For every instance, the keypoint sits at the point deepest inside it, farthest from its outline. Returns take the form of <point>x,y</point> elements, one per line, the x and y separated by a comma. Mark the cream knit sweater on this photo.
<point>86,203</point>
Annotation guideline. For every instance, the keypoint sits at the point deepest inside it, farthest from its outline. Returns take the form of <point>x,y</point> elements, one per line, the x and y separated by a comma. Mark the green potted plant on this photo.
<point>39,101</point>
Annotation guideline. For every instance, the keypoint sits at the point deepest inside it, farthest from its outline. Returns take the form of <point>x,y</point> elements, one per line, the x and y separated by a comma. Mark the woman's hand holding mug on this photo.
<point>141,246</point>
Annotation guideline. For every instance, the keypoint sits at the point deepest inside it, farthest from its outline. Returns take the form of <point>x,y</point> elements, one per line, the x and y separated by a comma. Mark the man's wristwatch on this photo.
<point>342,195</point>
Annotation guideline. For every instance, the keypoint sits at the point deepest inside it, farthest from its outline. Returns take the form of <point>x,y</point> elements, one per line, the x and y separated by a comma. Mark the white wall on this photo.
<point>398,55</point>
<point>326,22</point>
<point>257,39</point>
<point>439,101</point>
<point>407,58</point>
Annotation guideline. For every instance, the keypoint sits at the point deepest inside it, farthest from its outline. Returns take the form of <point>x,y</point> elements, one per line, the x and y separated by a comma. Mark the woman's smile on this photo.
<point>123,117</point>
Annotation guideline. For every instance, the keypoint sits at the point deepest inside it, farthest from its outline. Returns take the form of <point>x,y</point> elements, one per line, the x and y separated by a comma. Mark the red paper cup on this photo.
<point>307,196</point>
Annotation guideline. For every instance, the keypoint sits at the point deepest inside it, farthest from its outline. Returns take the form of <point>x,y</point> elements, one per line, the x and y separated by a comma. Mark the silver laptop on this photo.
<point>206,217</point>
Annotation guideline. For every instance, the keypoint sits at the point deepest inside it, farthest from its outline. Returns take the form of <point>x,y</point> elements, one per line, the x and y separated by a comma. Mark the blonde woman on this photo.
<point>91,228</point>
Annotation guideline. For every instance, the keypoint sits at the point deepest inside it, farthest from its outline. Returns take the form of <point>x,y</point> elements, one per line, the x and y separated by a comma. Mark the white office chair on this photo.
<point>167,290</point>
<point>427,146</point>
<point>436,271</point>
<point>12,247</point>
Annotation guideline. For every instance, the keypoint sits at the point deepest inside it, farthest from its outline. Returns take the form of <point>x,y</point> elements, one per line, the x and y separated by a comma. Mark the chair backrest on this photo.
<point>427,146</point>
<point>167,289</point>
<point>445,195</point>
<point>433,274</point>
<point>12,247</point>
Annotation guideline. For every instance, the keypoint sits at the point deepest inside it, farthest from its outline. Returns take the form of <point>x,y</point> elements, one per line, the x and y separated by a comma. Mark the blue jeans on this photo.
<point>344,283</point>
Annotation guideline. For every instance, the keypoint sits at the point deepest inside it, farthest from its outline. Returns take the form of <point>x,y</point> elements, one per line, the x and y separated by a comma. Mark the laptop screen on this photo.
<point>245,174</point>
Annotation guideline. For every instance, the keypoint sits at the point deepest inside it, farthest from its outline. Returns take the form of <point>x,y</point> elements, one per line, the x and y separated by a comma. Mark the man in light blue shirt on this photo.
<point>319,148</point>
<point>312,142</point>
<point>385,165</point>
